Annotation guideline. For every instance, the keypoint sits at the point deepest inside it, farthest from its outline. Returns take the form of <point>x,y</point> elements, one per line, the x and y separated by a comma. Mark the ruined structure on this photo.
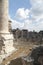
<point>6,38</point>
<point>7,51</point>
<point>28,37</point>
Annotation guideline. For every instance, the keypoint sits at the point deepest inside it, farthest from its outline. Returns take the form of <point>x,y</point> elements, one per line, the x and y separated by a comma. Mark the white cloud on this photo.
<point>27,24</point>
<point>16,24</point>
<point>37,8</point>
<point>34,2</point>
<point>37,14</point>
<point>22,13</point>
<point>23,19</point>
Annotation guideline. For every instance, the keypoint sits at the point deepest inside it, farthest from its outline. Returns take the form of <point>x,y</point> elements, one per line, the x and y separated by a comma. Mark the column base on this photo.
<point>7,40</point>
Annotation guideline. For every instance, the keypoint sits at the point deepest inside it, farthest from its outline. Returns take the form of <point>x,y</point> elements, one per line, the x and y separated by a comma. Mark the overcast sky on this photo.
<point>26,14</point>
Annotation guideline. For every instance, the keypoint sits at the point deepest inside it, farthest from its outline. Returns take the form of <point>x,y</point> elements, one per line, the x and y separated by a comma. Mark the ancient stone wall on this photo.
<point>25,36</point>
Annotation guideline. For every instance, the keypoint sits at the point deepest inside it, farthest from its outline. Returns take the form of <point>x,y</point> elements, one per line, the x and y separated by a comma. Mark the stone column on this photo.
<point>3,16</point>
<point>5,35</point>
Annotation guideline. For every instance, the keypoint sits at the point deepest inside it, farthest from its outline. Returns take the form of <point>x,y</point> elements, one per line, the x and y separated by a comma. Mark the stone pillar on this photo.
<point>3,16</point>
<point>5,35</point>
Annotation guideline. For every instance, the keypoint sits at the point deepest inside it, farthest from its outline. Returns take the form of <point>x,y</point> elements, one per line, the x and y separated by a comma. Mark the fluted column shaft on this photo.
<point>3,16</point>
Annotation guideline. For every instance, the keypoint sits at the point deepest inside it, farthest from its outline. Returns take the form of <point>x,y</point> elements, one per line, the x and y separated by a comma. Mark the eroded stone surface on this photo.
<point>6,39</point>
